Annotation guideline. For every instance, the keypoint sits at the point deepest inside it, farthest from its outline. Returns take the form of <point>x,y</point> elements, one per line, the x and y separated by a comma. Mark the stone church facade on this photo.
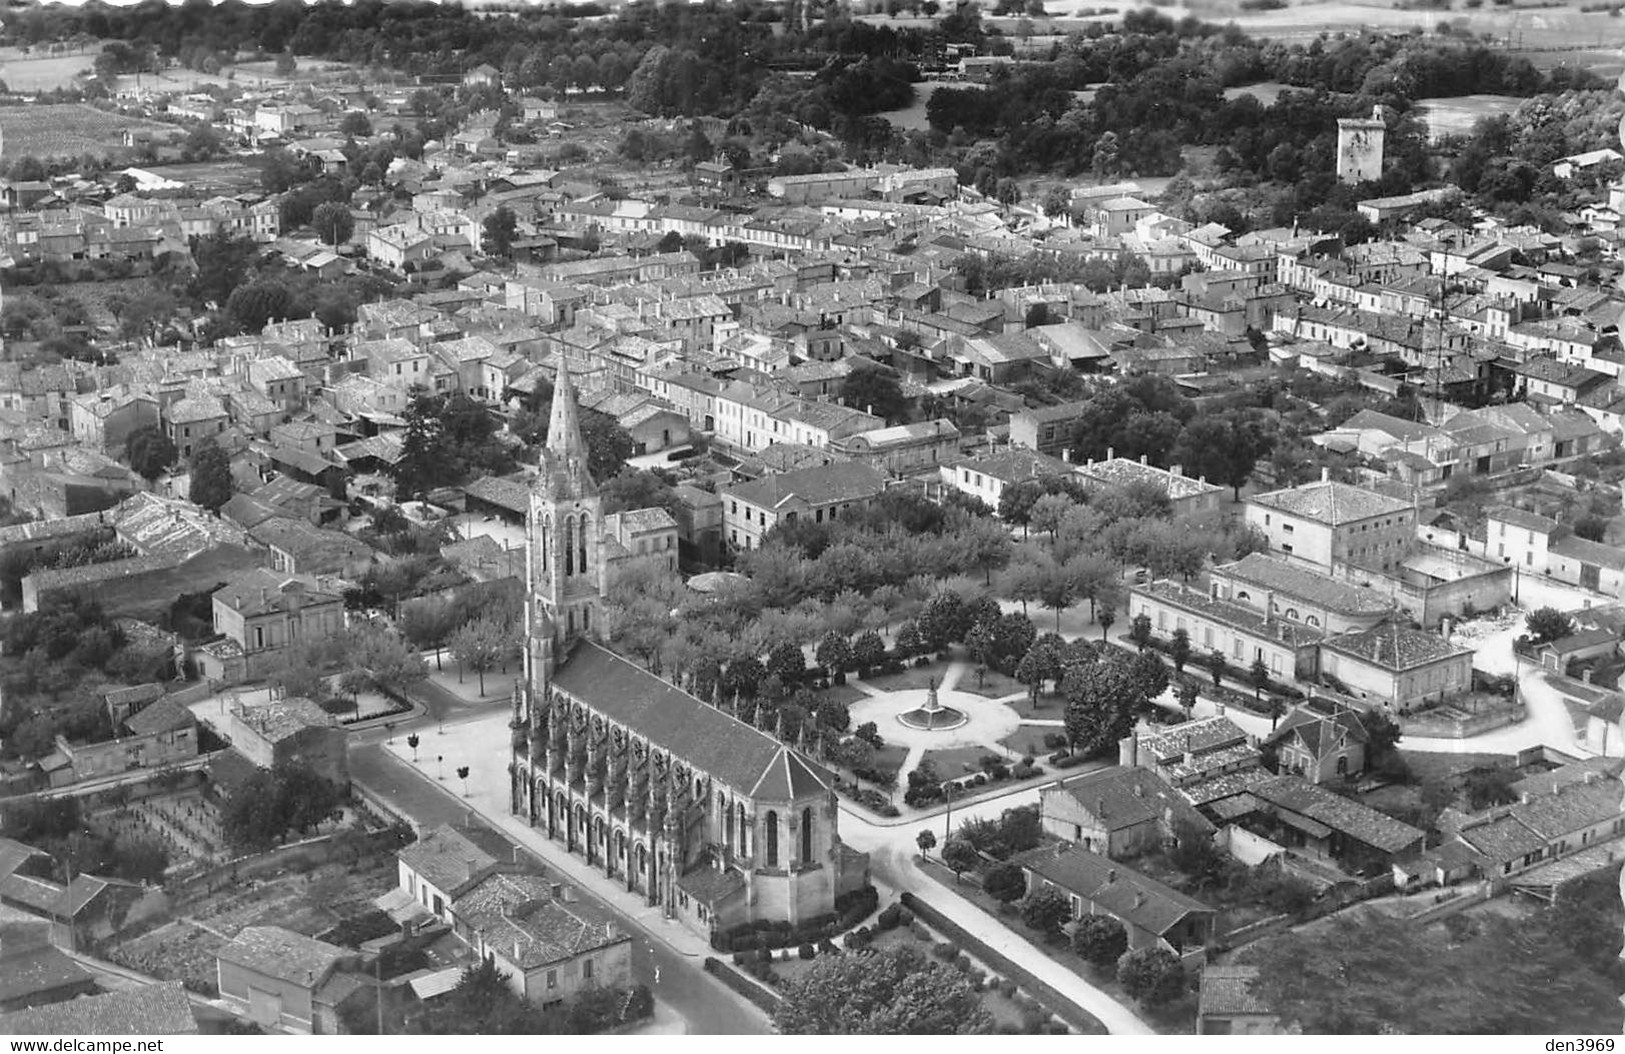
<point>710,818</point>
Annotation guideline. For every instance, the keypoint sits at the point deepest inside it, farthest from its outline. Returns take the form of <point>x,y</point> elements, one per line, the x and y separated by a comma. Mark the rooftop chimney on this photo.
<point>1142,459</point>
<point>1176,470</point>
<point>1111,453</point>
<point>1325,474</point>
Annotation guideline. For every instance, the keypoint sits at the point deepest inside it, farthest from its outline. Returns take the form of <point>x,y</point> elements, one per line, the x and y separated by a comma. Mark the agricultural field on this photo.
<point>208,178</point>
<point>64,130</point>
<point>37,71</point>
<point>913,116</point>
<point>1457,116</point>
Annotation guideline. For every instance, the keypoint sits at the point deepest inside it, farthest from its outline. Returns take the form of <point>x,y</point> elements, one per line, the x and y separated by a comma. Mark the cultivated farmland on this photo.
<point>65,130</point>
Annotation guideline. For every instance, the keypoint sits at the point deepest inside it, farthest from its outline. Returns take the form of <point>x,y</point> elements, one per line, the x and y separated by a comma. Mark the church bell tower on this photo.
<point>564,565</point>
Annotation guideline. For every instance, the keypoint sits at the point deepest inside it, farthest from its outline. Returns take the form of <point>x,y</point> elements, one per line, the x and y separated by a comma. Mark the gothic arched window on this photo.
<point>581,545</point>
<point>772,838</point>
<point>806,837</point>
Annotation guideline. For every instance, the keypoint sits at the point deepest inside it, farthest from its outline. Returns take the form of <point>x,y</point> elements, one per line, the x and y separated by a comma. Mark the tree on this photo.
<point>834,653</point>
<point>868,651</point>
<point>787,662</point>
<point>1489,786</point>
<point>1548,624</point>
<point>355,125</point>
<point>1048,512</point>
<point>1150,674</point>
<point>1099,940</point>
<point>286,64</point>
<point>352,683</point>
<point>1139,630</point>
<point>149,451</point>
<point>960,856</point>
<point>481,644</point>
<point>1045,910</point>
<point>1179,649</point>
<point>211,484</point>
<point>926,841</point>
<point>1106,617</point>
<point>1103,699</point>
<point>892,991</point>
<point>498,232</point>
<point>333,222</point>
<point>1005,882</point>
<point>1152,974</point>
<point>1187,693</point>
<point>413,741</point>
<point>462,774</point>
<point>874,389</point>
<point>1217,665</point>
<point>1259,674</point>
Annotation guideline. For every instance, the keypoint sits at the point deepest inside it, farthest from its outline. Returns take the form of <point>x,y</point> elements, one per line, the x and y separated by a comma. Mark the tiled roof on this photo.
<point>1192,737</point>
<point>165,715</point>
<point>1227,991</point>
<point>822,485</point>
<point>450,857</point>
<point>1273,573</point>
<point>260,592</point>
<point>744,758</point>
<point>1137,899</point>
<point>1395,648</point>
<point>1521,518</point>
<point>37,971</point>
<point>1121,471</point>
<point>1330,503</point>
<point>1121,798</point>
<point>519,918</point>
<point>278,719</point>
<point>161,1009</point>
<point>1341,814</point>
<point>1226,613</point>
<point>275,952</point>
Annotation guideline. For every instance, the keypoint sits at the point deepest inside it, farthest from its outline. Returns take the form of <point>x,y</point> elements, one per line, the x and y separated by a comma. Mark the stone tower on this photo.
<point>1359,147</point>
<point>565,575</point>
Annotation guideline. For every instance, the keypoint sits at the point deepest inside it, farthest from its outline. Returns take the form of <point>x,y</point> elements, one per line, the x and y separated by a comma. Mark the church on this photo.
<point>713,820</point>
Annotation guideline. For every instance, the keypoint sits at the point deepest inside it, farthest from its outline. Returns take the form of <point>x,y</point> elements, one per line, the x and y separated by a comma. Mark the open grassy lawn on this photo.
<point>1029,739</point>
<point>1050,707</point>
<point>842,693</point>
<point>890,758</point>
<point>912,678</point>
<point>65,130</point>
<point>230,176</point>
<point>992,684</point>
<point>957,761</point>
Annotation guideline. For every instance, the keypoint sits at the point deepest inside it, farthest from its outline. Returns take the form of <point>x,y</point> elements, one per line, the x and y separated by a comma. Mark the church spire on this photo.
<point>564,423</point>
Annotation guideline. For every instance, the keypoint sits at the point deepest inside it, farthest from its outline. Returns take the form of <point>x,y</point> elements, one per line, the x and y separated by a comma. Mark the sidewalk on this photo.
<point>487,738</point>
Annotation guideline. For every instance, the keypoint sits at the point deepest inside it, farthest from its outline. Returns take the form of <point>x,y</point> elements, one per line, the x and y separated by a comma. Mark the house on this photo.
<point>986,477</point>
<point>1153,915</point>
<point>445,863</point>
<point>1119,812</point>
<point>33,971</point>
<point>1320,742</point>
<point>153,737</point>
<point>1565,824</point>
<point>191,419</point>
<point>484,75</point>
<point>1047,429</point>
<point>1397,666</point>
<point>289,730</point>
<point>272,976</point>
<point>264,612</point>
<point>1206,760</point>
<point>1321,524</point>
<point>643,533</point>
<point>826,491</point>
<point>550,945</point>
<point>1227,1005</point>
<point>1186,496</point>
<point>1242,633</point>
<point>299,548</point>
<point>903,450</point>
<point>162,1009</point>
<point>1301,816</point>
<point>1291,592</point>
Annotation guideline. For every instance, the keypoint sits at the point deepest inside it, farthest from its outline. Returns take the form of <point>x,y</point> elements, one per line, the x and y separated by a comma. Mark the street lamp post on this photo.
<point>948,823</point>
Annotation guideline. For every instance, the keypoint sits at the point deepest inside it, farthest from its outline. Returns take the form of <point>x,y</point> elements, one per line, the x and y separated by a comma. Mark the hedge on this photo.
<point>1069,1011</point>
<point>850,909</point>
<point>766,1001</point>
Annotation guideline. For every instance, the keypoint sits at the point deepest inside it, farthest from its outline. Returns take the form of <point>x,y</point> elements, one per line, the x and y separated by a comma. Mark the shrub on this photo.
<point>827,947</point>
<point>764,955</point>
<point>806,951</point>
<point>905,917</point>
<point>1055,741</point>
<point>740,958</point>
<point>962,963</point>
<point>944,951</point>
<point>918,929</point>
<point>889,918</point>
<point>1008,987</point>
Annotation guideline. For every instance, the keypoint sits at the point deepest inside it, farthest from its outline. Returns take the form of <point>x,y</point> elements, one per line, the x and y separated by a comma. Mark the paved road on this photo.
<point>705,1005</point>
